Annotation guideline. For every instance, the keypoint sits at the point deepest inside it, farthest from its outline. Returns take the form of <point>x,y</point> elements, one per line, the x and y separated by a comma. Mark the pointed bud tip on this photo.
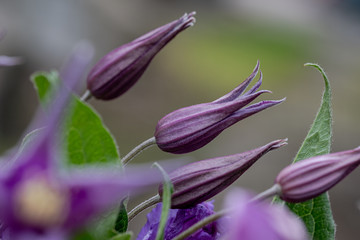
<point>279,143</point>
<point>189,19</point>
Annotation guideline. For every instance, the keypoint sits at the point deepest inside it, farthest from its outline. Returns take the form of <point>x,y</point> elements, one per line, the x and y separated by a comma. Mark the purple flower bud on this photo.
<point>120,69</point>
<point>309,178</point>
<point>253,220</point>
<point>200,181</point>
<point>180,220</point>
<point>190,128</point>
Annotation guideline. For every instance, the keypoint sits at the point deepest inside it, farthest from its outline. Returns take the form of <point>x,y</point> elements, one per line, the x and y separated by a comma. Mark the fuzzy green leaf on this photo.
<point>86,139</point>
<point>316,213</point>
<point>166,202</point>
<point>121,222</point>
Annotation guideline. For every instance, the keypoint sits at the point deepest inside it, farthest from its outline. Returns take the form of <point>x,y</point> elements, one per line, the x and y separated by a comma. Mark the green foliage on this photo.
<point>166,203</point>
<point>316,213</point>
<point>45,84</point>
<point>122,236</point>
<point>86,139</point>
<point>121,222</point>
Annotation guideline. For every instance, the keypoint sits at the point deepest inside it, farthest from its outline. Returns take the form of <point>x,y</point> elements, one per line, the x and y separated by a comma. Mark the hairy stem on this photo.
<point>202,223</point>
<point>142,206</point>
<point>271,192</point>
<point>86,96</point>
<point>274,190</point>
<point>142,146</point>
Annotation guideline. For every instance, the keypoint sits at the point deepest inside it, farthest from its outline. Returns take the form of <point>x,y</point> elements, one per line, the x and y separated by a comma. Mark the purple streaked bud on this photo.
<point>309,178</point>
<point>190,128</point>
<point>120,69</point>
<point>199,181</point>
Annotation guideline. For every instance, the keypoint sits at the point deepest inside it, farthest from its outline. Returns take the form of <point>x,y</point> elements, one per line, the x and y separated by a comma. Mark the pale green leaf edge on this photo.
<point>166,202</point>
<point>319,228</point>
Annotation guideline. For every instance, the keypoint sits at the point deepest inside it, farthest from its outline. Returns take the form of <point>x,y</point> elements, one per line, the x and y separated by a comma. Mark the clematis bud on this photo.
<point>120,69</point>
<point>190,128</point>
<point>309,178</point>
<point>252,220</point>
<point>199,181</point>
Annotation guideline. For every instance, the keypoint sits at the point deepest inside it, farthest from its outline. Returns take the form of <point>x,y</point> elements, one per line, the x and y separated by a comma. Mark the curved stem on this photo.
<point>142,146</point>
<point>202,223</point>
<point>205,221</point>
<point>142,206</point>
<point>271,192</point>
<point>86,96</point>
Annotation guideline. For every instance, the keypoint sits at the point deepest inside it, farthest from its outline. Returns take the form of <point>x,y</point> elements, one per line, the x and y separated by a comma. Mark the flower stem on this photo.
<point>142,146</point>
<point>142,206</point>
<point>274,190</point>
<point>86,96</point>
<point>202,223</point>
<point>271,192</point>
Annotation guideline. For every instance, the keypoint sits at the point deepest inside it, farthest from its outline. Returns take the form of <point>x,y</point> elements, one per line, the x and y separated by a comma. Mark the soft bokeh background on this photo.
<point>201,64</point>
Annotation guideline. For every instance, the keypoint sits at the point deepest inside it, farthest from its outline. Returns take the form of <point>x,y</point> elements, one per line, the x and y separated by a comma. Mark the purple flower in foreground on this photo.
<point>309,178</point>
<point>199,181</point>
<point>6,61</point>
<point>253,220</point>
<point>39,201</point>
<point>190,128</point>
<point>120,69</point>
<point>180,220</point>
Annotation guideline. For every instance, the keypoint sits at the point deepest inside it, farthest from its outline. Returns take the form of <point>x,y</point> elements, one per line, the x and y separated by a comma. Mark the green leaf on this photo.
<point>86,139</point>
<point>166,202</point>
<point>122,236</point>
<point>121,222</point>
<point>45,84</point>
<point>316,213</point>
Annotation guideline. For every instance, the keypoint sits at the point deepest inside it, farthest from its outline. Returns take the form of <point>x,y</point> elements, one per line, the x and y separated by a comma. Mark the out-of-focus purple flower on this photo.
<point>40,201</point>
<point>311,177</point>
<point>253,220</point>
<point>199,181</point>
<point>190,128</point>
<point>120,69</point>
<point>180,220</point>
<point>6,61</point>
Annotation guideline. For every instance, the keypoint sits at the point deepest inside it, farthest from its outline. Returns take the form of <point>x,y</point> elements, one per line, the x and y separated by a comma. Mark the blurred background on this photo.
<point>200,65</point>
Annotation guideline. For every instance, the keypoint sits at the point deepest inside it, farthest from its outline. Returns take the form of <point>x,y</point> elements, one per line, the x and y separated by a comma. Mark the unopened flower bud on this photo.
<point>120,69</point>
<point>309,178</point>
<point>199,181</point>
<point>190,128</point>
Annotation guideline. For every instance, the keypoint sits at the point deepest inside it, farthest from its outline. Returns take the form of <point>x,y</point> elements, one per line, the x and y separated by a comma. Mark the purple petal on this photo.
<point>252,220</point>
<point>239,89</point>
<point>178,221</point>
<point>7,61</point>
<point>94,191</point>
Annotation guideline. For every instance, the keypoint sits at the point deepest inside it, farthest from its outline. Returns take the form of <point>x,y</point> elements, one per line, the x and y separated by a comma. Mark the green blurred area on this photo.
<point>225,53</point>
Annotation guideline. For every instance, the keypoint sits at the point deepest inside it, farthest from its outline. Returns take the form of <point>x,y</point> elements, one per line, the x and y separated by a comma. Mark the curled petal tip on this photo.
<point>279,143</point>
<point>189,19</point>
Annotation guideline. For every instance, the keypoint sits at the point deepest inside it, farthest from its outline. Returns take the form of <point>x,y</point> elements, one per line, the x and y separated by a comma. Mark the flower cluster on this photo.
<point>44,195</point>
